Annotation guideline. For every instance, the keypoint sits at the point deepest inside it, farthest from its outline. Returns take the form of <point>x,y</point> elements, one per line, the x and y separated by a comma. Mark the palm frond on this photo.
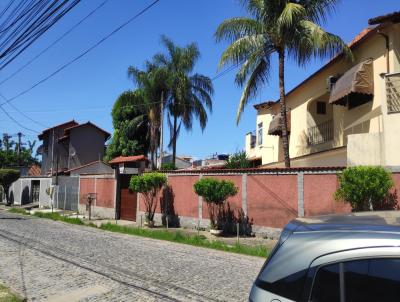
<point>258,77</point>
<point>241,50</point>
<point>236,28</point>
<point>291,14</point>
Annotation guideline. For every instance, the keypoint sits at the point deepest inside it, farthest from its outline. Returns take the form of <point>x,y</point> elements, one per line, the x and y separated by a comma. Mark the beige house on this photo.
<point>346,113</point>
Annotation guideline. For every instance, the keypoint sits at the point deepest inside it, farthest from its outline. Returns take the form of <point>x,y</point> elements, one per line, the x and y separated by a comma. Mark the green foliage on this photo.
<point>18,211</point>
<point>189,92</point>
<point>180,237</point>
<point>130,122</point>
<point>238,161</point>
<point>168,166</point>
<point>58,217</point>
<point>364,187</point>
<point>8,296</point>
<point>291,28</point>
<point>7,177</point>
<point>215,192</point>
<point>148,184</point>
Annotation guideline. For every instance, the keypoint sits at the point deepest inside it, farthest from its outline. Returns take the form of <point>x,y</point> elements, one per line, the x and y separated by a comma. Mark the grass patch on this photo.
<point>260,251</point>
<point>18,211</point>
<point>178,236</point>
<point>57,217</point>
<point>7,296</point>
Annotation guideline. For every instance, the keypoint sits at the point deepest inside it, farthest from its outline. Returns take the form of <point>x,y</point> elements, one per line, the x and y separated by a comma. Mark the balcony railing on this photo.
<point>320,133</point>
<point>393,92</point>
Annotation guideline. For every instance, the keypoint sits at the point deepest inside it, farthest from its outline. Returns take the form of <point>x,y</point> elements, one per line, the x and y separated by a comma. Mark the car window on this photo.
<point>290,287</point>
<point>372,280</point>
<point>367,280</point>
<point>326,286</point>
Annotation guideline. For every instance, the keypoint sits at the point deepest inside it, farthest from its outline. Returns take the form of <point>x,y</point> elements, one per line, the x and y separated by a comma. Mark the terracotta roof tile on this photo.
<point>128,159</point>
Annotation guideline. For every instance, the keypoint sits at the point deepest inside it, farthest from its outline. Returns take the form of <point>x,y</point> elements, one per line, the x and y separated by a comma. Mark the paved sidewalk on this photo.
<point>45,260</point>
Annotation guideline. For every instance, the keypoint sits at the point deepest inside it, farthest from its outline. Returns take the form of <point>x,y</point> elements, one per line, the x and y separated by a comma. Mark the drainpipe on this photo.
<point>387,50</point>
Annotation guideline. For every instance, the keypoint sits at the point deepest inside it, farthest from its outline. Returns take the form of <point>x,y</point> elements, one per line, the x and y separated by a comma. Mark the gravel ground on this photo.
<point>45,260</point>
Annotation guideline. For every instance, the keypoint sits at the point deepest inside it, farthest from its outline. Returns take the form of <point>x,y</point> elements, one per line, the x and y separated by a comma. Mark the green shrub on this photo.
<point>214,192</point>
<point>168,166</point>
<point>7,177</point>
<point>148,184</point>
<point>364,187</point>
<point>238,160</point>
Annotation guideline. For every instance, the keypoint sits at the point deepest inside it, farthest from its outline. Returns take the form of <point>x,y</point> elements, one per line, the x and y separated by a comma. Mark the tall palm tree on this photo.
<point>152,82</point>
<point>189,93</point>
<point>283,27</point>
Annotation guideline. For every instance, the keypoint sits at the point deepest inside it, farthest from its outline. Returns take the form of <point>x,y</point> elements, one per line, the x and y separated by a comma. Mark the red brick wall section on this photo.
<point>185,199</point>
<point>396,180</point>
<point>86,186</point>
<point>104,187</point>
<point>235,202</point>
<point>272,199</point>
<point>318,195</point>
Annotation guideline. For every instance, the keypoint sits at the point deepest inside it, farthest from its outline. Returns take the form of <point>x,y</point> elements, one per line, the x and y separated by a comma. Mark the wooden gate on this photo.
<point>128,200</point>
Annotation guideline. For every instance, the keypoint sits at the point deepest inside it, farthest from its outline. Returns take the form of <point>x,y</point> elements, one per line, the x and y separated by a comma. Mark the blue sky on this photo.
<point>87,89</point>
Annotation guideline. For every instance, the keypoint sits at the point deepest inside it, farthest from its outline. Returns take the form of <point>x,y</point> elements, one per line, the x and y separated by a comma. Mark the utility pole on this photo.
<point>19,134</point>
<point>161,130</point>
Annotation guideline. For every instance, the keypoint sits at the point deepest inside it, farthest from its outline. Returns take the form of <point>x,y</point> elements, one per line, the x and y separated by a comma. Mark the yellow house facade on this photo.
<point>347,113</point>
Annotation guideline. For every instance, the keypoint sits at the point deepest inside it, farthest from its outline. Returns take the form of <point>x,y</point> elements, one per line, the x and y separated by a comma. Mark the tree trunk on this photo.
<point>174,134</point>
<point>282,102</point>
<point>161,130</point>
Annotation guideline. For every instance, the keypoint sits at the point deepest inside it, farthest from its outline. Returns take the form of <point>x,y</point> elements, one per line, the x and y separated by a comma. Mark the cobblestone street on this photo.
<point>45,260</point>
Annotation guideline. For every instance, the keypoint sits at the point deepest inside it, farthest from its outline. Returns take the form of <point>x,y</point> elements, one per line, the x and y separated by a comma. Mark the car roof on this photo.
<point>306,239</point>
<point>382,221</point>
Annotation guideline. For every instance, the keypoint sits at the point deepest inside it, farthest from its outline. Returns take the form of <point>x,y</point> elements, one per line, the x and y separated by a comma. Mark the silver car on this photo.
<point>333,259</point>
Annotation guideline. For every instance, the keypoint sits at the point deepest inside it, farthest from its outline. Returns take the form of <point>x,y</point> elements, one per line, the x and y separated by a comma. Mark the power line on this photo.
<point>15,121</point>
<point>54,43</point>
<point>84,53</point>
<point>26,22</point>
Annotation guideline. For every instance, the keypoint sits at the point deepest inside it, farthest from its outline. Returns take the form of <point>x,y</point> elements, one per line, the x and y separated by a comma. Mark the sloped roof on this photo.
<point>106,134</point>
<point>64,125</point>
<point>392,17</point>
<point>128,159</point>
<point>34,171</point>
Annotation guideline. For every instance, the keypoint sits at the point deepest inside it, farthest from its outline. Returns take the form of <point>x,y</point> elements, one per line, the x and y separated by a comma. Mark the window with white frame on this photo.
<point>260,134</point>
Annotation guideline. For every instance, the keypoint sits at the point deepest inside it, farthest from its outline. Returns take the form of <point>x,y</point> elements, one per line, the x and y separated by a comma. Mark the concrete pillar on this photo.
<point>244,193</point>
<point>200,202</point>
<point>300,194</point>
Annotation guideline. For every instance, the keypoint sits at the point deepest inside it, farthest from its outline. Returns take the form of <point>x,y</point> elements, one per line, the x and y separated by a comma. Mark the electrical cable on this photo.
<point>84,53</point>
<point>54,43</point>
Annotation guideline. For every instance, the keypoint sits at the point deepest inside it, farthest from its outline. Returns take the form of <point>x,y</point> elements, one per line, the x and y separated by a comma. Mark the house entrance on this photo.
<point>128,204</point>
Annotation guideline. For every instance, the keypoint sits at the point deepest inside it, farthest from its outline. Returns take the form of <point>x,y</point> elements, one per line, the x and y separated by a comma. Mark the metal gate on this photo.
<point>35,190</point>
<point>128,203</point>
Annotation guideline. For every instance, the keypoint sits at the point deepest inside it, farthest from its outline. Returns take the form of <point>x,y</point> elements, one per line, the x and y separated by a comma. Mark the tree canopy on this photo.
<point>131,126</point>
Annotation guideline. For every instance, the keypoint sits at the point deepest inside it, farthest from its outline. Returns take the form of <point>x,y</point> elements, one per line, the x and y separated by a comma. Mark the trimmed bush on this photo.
<point>7,177</point>
<point>168,166</point>
<point>365,188</point>
<point>148,184</point>
<point>214,192</point>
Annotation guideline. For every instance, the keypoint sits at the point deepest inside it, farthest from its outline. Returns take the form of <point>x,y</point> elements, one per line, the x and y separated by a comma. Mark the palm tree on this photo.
<point>152,82</point>
<point>189,93</point>
<point>283,27</point>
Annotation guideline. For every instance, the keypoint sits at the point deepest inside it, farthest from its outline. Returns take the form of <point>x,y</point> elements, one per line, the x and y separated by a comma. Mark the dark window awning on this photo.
<point>275,125</point>
<point>355,87</point>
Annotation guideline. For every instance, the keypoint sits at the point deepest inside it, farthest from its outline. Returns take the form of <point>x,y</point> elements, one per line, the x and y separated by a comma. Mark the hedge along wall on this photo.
<point>270,198</point>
